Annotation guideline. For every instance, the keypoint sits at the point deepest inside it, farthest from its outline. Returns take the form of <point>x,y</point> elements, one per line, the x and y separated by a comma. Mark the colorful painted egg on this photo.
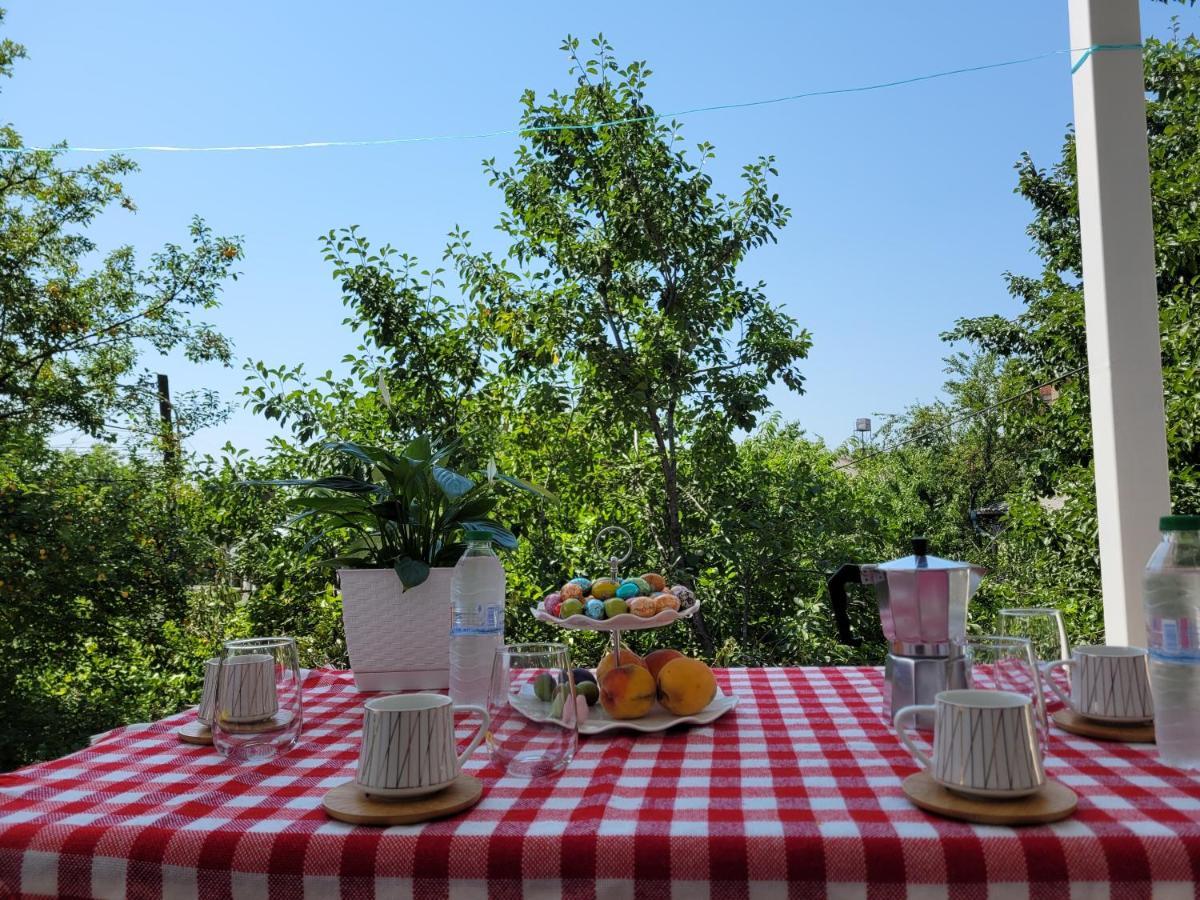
<point>572,591</point>
<point>585,584</point>
<point>595,608</point>
<point>643,606</point>
<point>657,582</point>
<point>665,600</point>
<point>552,603</point>
<point>570,608</point>
<point>603,588</point>
<point>615,606</point>
<point>684,593</point>
<point>628,589</point>
<point>644,588</point>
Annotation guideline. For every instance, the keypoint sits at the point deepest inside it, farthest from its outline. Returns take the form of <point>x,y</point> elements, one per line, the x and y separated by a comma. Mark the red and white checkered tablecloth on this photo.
<point>796,791</point>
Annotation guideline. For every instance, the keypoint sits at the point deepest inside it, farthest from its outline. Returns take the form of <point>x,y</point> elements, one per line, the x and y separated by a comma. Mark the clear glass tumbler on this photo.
<point>532,702</point>
<point>258,706</point>
<point>1001,663</point>
<point>1043,626</point>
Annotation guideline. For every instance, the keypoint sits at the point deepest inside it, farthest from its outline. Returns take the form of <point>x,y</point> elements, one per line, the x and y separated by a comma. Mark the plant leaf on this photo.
<point>499,533</point>
<point>527,487</point>
<point>452,484</point>
<point>412,572</point>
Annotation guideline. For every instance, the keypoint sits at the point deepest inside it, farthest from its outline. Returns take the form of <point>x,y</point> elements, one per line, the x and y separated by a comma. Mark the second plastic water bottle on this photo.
<point>477,629</point>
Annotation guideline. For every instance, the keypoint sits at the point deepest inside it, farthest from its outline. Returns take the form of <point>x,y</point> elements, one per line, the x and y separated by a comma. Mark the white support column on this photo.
<point>1120,296</point>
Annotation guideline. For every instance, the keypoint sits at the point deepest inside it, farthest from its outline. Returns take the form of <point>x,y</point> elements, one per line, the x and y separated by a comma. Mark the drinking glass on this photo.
<point>258,705</point>
<point>532,702</point>
<point>1043,626</point>
<point>1003,663</point>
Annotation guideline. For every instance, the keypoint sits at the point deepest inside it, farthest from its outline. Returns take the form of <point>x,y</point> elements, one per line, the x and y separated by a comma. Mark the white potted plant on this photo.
<point>398,523</point>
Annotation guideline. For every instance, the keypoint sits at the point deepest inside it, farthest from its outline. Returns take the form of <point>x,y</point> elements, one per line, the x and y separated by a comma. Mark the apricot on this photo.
<point>659,658</point>
<point>628,658</point>
<point>686,686</point>
<point>627,692</point>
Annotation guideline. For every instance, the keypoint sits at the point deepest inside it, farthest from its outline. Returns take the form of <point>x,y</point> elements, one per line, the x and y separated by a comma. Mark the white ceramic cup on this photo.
<point>208,696</point>
<point>1111,684</point>
<point>984,743</point>
<point>246,689</point>
<point>408,745</point>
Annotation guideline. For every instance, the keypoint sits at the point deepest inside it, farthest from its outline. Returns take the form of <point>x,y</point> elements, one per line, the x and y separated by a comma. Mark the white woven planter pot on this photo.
<point>398,641</point>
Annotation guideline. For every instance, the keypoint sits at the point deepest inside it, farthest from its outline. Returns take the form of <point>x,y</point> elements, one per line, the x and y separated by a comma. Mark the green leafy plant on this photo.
<point>405,511</point>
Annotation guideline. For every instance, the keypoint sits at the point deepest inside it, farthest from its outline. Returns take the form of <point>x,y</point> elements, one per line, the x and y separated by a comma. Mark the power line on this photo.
<point>959,421</point>
<point>588,126</point>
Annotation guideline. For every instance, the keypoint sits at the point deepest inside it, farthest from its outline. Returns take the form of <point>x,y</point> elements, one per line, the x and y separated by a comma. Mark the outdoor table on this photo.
<point>795,791</point>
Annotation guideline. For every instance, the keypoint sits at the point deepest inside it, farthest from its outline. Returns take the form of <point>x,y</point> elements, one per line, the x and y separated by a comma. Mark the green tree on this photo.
<point>69,336</point>
<point>623,268</point>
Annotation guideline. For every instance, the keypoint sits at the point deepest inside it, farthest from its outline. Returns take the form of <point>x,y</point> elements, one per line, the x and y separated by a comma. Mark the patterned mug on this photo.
<point>984,743</point>
<point>1111,684</point>
<point>408,745</point>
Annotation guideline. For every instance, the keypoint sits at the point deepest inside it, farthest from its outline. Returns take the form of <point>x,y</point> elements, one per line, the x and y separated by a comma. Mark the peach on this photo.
<point>686,686</point>
<point>628,658</point>
<point>627,692</point>
<point>659,658</point>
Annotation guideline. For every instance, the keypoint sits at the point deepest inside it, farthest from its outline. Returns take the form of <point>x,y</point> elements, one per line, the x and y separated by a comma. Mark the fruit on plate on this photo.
<point>595,609</point>
<point>588,691</point>
<point>570,608</point>
<point>659,658</point>
<point>685,686</point>
<point>544,686</point>
<point>603,588</point>
<point>628,658</point>
<point>644,607</point>
<point>615,606</point>
<point>627,692</point>
<point>581,675</point>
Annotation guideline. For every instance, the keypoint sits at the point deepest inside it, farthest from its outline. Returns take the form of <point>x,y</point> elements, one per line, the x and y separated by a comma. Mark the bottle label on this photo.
<point>1173,640</point>
<point>480,620</point>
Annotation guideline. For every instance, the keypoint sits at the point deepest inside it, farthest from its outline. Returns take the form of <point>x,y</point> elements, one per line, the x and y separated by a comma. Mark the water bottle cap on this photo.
<point>473,536</point>
<point>1179,523</point>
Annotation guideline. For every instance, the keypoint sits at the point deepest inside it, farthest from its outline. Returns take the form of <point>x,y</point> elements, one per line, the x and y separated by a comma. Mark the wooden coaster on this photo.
<point>195,732</point>
<point>1135,733</point>
<point>1053,802</point>
<point>277,722</point>
<point>348,803</point>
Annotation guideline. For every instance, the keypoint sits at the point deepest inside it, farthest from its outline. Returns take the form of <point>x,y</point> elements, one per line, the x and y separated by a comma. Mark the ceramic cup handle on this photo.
<point>483,726</point>
<point>1050,667</point>
<point>903,714</point>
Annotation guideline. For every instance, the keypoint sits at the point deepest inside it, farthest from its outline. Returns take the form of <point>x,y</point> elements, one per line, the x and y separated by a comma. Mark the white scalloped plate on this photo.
<point>623,622</point>
<point>598,721</point>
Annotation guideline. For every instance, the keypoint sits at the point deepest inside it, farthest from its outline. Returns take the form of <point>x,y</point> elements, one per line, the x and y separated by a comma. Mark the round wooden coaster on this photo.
<point>348,803</point>
<point>277,722</point>
<point>1071,721</point>
<point>1053,802</point>
<point>195,732</point>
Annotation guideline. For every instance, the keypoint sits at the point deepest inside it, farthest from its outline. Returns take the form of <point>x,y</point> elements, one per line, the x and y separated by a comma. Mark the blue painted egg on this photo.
<point>584,583</point>
<point>595,609</point>
<point>627,589</point>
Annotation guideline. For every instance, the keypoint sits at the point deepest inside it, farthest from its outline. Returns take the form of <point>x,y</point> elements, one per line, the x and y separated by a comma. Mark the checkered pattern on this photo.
<point>798,787</point>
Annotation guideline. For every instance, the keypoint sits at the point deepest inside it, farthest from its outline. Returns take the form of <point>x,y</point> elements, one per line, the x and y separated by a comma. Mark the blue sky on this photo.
<point>904,216</point>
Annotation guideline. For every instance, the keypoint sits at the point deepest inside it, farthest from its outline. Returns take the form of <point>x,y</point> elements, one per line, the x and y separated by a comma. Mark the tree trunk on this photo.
<point>674,527</point>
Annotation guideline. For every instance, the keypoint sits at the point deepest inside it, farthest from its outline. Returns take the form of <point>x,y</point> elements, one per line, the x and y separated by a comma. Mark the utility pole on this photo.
<point>170,444</point>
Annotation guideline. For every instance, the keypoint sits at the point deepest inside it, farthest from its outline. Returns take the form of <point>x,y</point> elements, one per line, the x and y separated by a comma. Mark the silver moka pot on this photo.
<point>923,609</point>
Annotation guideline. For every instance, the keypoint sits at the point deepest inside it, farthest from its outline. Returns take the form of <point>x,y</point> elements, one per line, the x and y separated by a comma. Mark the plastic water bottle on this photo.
<point>1172,601</point>
<point>477,628</point>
